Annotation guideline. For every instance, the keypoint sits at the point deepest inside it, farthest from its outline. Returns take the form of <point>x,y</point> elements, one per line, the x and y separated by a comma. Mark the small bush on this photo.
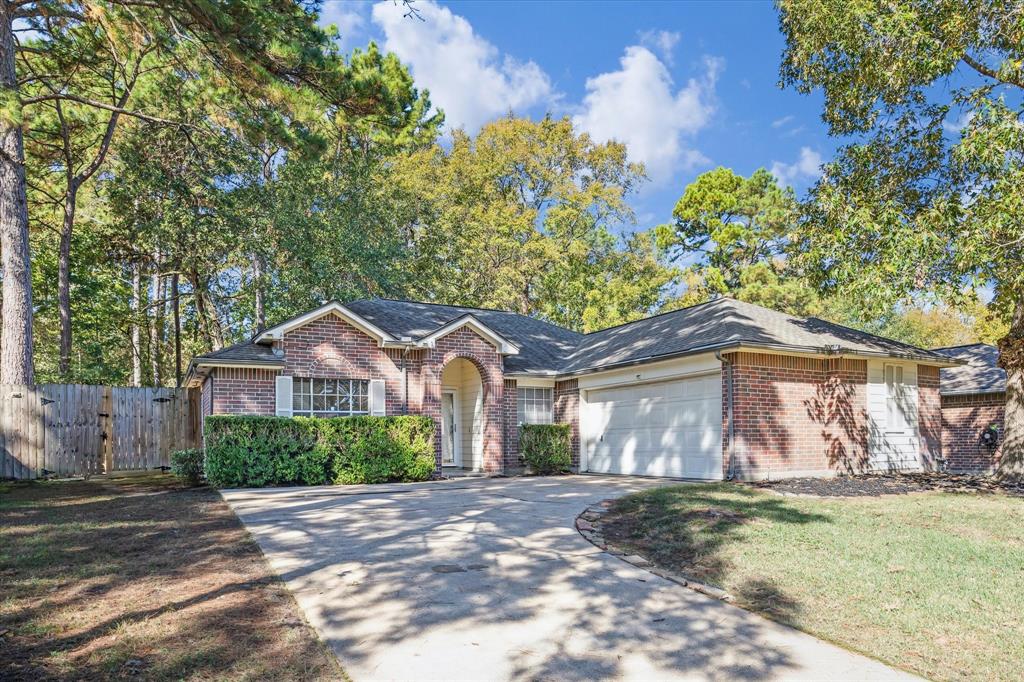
<point>187,465</point>
<point>547,448</point>
<point>251,451</point>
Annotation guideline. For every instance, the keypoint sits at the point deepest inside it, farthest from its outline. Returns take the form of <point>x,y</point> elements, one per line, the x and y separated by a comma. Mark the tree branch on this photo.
<point>989,72</point>
<point>101,105</point>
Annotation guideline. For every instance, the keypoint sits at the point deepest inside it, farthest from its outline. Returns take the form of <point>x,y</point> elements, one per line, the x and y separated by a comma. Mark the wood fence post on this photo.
<point>107,423</point>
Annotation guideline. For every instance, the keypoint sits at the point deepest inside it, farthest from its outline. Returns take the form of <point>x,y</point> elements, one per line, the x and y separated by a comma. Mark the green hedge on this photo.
<point>253,452</point>
<point>187,465</point>
<point>547,448</point>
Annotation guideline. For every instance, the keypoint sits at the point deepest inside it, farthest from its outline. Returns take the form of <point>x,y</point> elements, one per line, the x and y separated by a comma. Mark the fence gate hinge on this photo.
<point>103,414</point>
<point>161,400</point>
<point>47,401</point>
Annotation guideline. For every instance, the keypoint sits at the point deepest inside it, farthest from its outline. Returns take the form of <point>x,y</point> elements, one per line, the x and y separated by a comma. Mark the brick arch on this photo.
<point>334,365</point>
<point>468,345</point>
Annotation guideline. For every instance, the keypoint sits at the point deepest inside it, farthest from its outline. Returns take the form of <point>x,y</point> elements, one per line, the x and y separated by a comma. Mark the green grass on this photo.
<point>932,583</point>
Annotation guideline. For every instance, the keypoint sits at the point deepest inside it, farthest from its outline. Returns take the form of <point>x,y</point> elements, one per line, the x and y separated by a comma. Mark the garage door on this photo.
<point>670,428</point>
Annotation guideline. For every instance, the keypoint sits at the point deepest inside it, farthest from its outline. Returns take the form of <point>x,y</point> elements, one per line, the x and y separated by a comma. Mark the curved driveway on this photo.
<point>487,579</point>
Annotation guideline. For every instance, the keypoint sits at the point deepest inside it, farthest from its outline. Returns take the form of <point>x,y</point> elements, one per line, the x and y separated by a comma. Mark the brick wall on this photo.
<point>567,411</point>
<point>796,415</point>
<point>929,416</point>
<point>964,417</point>
<point>331,348</point>
<point>241,390</point>
<point>510,416</point>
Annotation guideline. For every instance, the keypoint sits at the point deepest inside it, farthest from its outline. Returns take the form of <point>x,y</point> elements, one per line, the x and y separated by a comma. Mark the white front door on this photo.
<point>670,428</point>
<point>451,455</point>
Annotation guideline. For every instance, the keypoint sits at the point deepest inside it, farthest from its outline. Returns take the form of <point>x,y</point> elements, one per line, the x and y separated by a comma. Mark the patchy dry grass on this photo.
<point>932,582</point>
<point>138,577</point>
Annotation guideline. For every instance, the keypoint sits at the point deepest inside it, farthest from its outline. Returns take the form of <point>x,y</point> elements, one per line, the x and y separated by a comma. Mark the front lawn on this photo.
<point>932,582</point>
<point>138,577</point>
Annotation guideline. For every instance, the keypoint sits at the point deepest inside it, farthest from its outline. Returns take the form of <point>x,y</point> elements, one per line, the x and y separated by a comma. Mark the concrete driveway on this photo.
<point>487,579</point>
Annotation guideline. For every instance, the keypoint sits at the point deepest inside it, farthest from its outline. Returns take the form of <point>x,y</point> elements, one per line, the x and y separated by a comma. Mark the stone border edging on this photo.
<point>587,524</point>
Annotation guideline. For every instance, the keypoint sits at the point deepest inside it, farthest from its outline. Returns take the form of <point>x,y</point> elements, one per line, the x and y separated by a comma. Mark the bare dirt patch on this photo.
<point>141,578</point>
<point>871,485</point>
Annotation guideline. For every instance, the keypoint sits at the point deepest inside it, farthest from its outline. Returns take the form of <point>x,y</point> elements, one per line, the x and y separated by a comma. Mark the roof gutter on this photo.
<point>816,351</point>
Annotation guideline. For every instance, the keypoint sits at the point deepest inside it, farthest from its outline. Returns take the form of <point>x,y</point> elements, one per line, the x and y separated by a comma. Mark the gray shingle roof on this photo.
<point>981,374</point>
<point>242,353</point>
<point>721,323</point>
<point>548,348</point>
<point>543,347</point>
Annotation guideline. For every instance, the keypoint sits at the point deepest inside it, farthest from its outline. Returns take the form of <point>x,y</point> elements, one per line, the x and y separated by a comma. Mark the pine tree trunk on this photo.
<point>64,279</point>
<point>1011,358</point>
<point>257,281</point>
<point>136,326</point>
<point>15,261</point>
<point>156,307</point>
<point>176,313</point>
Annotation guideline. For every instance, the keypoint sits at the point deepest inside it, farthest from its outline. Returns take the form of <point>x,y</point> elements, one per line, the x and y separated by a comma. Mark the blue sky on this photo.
<point>687,86</point>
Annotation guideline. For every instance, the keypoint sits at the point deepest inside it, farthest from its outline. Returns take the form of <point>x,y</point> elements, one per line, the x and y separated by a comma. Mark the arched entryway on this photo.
<point>462,415</point>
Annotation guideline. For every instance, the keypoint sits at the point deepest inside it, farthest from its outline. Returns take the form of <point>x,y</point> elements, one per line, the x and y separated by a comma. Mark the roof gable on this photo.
<point>503,345</point>
<point>333,308</point>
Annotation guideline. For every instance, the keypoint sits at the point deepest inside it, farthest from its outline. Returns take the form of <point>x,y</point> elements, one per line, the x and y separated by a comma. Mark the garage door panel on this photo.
<point>671,428</point>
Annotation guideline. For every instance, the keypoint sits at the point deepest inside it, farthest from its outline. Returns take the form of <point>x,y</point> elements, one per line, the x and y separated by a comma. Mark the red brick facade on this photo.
<point>567,411</point>
<point>511,417</point>
<point>929,421</point>
<point>792,415</point>
<point>243,390</point>
<point>796,415</point>
<point>964,418</point>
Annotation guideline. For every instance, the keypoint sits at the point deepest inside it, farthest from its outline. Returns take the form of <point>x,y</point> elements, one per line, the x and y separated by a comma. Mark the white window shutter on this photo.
<point>283,396</point>
<point>377,407</point>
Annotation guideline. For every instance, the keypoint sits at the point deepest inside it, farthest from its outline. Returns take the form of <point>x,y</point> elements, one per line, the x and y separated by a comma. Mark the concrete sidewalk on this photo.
<point>487,579</point>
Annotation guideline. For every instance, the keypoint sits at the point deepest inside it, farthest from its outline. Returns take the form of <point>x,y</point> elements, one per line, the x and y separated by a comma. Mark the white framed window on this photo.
<point>329,397</point>
<point>536,406</point>
<point>896,418</point>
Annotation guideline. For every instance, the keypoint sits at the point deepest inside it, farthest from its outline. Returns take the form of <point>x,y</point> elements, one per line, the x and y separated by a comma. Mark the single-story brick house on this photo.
<point>973,400</point>
<point>715,390</point>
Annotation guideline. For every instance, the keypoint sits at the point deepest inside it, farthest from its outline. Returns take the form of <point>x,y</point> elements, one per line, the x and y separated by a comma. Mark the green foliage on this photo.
<point>547,448</point>
<point>256,451</point>
<point>731,222</point>
<point>187,465</point>
<point>524,217</point>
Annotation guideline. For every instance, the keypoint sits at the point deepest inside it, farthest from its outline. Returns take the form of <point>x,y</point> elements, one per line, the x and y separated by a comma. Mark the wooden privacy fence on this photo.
<point>77,430</point>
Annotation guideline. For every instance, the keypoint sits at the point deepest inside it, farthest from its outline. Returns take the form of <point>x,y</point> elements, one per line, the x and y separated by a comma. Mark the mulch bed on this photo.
<point>872,485</point>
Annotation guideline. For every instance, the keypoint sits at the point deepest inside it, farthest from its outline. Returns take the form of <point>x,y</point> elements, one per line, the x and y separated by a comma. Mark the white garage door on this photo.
<point>670,428</point>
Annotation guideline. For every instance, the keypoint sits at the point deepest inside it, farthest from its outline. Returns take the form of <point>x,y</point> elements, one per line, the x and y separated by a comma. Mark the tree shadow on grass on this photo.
<point>686,529</point>
<point>145,579</point>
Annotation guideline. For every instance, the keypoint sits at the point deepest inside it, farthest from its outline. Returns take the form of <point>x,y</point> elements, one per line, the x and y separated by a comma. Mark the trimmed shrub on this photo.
<point>187,465</point>
<point>253,451</point>
<point>547,448</point>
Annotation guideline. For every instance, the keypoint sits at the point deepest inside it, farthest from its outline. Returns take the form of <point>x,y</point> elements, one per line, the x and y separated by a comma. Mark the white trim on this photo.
<point>332,308</point>
<point>240,365</point>
<point>457,418</point>
<point>376,398</point>
<point>532,382</point>
<point>283,396</point>
<point>504,346</point>
<point>652,371</point>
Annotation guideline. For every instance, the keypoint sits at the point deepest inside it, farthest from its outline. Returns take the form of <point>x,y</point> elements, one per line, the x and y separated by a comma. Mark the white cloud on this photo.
<point>806,167</point>
<point>956,126</point>
<point>639,106</point>
<point>779,122</point>
<point>663,41</point>
<point>348,15</point>
<point>467,76</point>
